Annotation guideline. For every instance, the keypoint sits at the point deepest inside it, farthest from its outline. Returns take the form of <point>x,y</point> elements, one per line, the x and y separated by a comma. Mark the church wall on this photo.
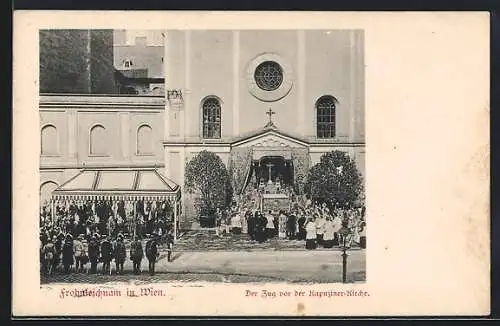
<point>327,73</point>
<point>175,68</point>
<point>56,176</point>
<point>110,121</point>
<point>176,64</point>
<point>360,86</point>
<point>211,74</point>
<point>73,122</point>
<point>360,155</point>
<point>155,121</point>
<point>58,120</point>
<point>49,177</point>
<point>174,165</point>
<point>252,110</point>
<point>215,63</point>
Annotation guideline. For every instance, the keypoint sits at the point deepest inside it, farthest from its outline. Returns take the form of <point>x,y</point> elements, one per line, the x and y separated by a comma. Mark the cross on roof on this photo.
<point>270,112</point>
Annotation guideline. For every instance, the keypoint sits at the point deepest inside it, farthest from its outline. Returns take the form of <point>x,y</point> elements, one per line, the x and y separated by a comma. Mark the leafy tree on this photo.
<point>335,180</point>
<point>207,176</point>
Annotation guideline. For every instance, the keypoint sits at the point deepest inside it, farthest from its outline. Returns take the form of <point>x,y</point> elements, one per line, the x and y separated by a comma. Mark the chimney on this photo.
<point>119,37</point>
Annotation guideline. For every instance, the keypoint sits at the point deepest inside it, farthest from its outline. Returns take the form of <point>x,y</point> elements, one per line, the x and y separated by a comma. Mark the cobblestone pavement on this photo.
<point>235,267</point>
<point>145,278</point>
<point>196,241</point>
<point>207,240</point>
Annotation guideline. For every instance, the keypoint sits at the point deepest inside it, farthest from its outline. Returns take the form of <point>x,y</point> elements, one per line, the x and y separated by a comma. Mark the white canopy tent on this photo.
<point>129,185</point>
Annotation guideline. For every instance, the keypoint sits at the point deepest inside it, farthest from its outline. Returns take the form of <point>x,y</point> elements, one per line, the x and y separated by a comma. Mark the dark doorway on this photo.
<point>273,168</point>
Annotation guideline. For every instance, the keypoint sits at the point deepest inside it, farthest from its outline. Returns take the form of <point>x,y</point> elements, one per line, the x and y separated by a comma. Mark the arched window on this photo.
<point>325,117</point>
<point>144,140</point>
<point>46,190</point>
<point>98,140</point>
<point>211,118</point>
<point>49,140</point>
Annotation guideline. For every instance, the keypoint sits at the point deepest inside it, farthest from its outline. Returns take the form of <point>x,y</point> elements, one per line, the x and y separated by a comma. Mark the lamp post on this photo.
<point>346,235</point>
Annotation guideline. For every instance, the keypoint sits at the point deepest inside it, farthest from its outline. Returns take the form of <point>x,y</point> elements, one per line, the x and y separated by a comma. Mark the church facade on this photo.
<point>269,103</point>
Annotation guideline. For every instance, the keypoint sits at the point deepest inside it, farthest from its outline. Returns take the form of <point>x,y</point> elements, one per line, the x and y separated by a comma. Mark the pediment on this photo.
<point>270,139</point>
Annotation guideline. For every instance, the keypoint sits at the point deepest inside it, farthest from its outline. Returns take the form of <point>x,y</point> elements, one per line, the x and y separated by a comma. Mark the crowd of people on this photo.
<point>95,232</point>
<point>313,223</point>
<point>107,217</point>
<point>63,253</point>
<point>100,232</point>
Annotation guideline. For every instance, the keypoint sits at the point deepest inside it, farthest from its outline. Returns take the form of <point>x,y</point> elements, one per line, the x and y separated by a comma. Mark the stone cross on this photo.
<point>270,112</point>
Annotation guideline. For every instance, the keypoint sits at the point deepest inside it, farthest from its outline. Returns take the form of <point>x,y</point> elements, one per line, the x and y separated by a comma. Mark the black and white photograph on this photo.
<point>234,156</point>
<point>217,163</point>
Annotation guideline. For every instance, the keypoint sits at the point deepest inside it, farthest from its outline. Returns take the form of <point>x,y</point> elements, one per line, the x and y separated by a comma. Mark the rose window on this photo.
<point>268,75</point>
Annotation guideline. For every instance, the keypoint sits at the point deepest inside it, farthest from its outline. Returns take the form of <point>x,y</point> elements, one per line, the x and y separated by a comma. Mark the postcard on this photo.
<point>250,164</point>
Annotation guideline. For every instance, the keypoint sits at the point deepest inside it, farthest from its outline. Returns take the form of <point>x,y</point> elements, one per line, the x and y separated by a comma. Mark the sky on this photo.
<point>155,37</point>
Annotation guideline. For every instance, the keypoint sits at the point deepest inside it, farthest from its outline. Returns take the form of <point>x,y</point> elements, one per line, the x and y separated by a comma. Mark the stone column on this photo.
<point>184,130</point>
<point>301,72</point>
<point>125,135</point>
<point>72,134</point>
<point>236,83</point>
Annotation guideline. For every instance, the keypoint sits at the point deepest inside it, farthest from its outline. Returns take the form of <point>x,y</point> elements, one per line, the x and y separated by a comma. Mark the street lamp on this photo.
<point>346,237</point>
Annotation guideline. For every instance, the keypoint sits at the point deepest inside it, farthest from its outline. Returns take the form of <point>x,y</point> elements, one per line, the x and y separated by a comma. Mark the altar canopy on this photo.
<point>120,185</point>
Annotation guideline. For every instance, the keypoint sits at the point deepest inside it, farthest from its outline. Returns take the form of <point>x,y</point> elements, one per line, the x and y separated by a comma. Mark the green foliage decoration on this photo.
<point>206,176</point>
<point>335,180</point>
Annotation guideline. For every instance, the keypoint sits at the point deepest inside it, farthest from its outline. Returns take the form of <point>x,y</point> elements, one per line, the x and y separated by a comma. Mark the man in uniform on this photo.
<point>84,258</point>
<point>106,254</point>
<point>152,253</point>
<point>78,250</point>
<point>49,255</point>
<point>120,254</point>
<point>94,252</point>
<point>136,255</point>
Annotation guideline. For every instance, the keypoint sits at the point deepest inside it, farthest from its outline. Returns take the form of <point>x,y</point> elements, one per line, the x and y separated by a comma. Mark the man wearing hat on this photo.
<point>152,253</point>
<point>59,244</point>
<point>84,259</point>
<point>78,250</point>
<point>49,255</point>
<point>106,255</point>
<point>136,255</point>
<point>94,252</point>
<point>67,253</point>
<point>120,254</point>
